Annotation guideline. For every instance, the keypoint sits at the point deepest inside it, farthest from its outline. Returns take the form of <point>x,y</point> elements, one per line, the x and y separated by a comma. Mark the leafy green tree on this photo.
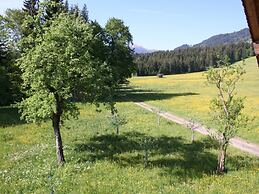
<point>227,107</point>
<point>120,55</point>
<point>59,62</point>
<point>35,25</point>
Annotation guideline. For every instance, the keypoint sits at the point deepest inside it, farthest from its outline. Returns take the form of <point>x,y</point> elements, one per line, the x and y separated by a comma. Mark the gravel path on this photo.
<point>237,142</point>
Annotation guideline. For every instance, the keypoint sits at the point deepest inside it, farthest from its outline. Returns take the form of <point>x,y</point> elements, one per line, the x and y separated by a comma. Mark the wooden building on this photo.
<point>252,15</point>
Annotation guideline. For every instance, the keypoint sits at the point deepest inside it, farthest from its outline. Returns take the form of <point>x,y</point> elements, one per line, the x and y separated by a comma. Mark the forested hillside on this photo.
<point>222,39</point>
<point>228,38</point>
<point>189,59</point>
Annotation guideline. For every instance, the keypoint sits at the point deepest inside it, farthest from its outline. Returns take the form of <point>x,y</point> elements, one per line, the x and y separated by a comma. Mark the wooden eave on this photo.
<point>252,15</point>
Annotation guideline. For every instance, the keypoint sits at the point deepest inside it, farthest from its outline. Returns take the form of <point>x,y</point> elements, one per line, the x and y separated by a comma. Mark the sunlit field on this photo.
<point>57,60</point>
<point>98,161</point>
<point>189,96</point>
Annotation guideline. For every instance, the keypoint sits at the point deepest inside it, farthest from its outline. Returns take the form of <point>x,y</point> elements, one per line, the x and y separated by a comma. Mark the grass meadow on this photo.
<point>189,96</point>
<point>144,158</point>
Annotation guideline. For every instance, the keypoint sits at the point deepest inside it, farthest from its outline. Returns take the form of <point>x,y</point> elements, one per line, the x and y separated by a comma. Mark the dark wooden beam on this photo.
<point>252,15</point>
<point>256,47</point>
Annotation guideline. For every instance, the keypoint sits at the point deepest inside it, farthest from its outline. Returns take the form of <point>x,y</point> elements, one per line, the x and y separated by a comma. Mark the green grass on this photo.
<point>187,95</point>
<point>98,161</point>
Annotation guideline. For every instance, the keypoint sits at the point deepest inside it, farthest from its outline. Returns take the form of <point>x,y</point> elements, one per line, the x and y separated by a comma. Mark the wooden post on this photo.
<point>251,8</point>
<point>256,50</point>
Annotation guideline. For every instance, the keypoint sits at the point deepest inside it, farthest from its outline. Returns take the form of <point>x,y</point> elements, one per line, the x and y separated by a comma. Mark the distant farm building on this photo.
<point>160,75</point>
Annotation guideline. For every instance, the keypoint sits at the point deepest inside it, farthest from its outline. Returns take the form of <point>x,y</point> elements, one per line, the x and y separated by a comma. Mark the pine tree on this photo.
<point>66,6</point>
<point>84,13</point>
<point>9,73</point>
<point>75,10</point>
<point>2,51</point>
<point>4,94</point>
<point>31,6</point>
<point>54,7</point>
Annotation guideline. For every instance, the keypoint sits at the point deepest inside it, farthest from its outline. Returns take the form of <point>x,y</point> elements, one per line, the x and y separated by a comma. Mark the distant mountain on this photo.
<point>222,39</point>
<point>184,46</point>
<point>229,38</point>
<point>139,49</point>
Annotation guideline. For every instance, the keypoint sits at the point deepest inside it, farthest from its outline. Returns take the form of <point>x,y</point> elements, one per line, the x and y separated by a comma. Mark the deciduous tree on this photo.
<point>59,62</point>
<point>227,107</point>
<point>120,54</point>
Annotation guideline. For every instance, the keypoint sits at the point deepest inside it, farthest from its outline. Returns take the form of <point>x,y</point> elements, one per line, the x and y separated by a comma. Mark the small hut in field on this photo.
<point>160,75</point>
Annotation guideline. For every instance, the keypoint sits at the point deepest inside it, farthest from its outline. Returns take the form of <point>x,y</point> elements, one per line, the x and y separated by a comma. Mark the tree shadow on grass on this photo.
<point>131,94</point>
<point>9,116</point>
<point>173,155</point>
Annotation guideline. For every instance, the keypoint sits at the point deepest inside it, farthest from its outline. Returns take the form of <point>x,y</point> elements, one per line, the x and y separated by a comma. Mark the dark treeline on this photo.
<point>190,59</point>
<point>9,73</point>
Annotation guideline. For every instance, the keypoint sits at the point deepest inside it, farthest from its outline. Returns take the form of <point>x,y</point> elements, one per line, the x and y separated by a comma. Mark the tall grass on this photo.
<point>99,161</point>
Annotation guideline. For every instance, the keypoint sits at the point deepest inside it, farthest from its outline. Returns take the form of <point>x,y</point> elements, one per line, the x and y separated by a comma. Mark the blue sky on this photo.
<point>164,24</point>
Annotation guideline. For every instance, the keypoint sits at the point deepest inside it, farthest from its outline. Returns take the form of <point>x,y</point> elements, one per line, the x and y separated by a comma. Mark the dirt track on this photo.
<point>237,142</point>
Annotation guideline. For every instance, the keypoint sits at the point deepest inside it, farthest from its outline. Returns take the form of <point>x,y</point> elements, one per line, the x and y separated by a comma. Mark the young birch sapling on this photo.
<point>117,121</point>
<point>226,107</point>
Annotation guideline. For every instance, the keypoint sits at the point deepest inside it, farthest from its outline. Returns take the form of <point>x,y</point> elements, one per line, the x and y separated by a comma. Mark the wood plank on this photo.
<point>252,15</point>
<point>256,48</point>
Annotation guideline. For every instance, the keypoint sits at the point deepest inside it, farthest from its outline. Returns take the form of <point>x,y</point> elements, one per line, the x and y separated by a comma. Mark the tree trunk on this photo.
<point>145,158</point>
<point>192,139</point>
<point>117,130</point>
<point>221,160</point>
<point>59,146</point>
<point>56,126</point>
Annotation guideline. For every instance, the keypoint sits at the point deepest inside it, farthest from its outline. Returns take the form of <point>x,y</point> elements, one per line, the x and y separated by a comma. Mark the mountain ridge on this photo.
<point>242,35</point>
<point>141,50</point>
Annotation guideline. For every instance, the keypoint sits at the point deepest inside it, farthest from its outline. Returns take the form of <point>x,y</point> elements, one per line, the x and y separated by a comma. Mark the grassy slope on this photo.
<point>187,95</point>
<point>100,162</point>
